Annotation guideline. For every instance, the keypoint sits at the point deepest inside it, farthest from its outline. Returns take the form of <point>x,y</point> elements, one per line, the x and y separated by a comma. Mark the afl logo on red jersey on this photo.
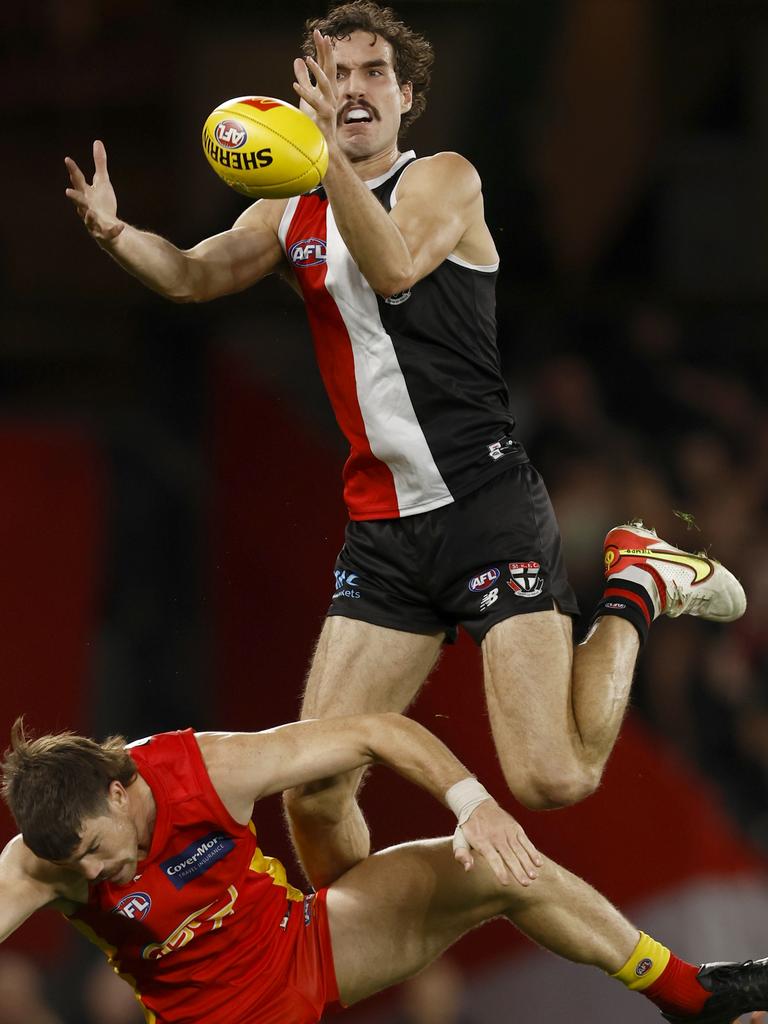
<point>230,134</point>
<point>309,252</point>
<point>135,906</point>
<point>483,580</point>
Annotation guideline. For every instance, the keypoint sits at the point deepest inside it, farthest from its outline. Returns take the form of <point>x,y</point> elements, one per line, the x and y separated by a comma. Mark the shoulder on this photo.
<point>264,213</point>
<point>446,170</point>
<point>19,867</point>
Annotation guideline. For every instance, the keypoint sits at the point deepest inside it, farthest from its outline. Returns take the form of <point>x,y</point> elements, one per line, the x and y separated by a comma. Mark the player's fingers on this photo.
<point>302,75</point>
<point>100,160</point>
<point>322,79</point>
<point>77,198</point>
<point>76,176</point>
<point>529,856</point>
<point>464,857</point>
<point>515,852</point>
<point>533,853</point>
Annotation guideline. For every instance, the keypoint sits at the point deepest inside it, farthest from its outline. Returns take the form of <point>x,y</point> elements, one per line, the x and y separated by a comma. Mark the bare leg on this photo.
<point>357,668</point>
<point>396,911</point>
<point>555,711</point>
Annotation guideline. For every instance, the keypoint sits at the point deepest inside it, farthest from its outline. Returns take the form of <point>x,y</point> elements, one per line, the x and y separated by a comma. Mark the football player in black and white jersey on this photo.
<point>450,524</point>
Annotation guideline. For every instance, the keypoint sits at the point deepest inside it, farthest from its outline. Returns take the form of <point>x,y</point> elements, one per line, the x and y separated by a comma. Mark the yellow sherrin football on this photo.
<point>264,148</point>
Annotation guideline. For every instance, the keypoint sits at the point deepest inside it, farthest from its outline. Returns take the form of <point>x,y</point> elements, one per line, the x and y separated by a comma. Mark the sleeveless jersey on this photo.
<point>414,379</point>
<point>207,929</point>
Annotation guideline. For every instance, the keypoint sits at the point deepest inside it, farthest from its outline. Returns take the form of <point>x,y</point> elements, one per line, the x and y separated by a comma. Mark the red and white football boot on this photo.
<point>685,583</point>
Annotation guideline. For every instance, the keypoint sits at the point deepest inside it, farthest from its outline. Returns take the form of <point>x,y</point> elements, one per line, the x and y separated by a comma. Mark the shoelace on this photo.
<point>678,601</point>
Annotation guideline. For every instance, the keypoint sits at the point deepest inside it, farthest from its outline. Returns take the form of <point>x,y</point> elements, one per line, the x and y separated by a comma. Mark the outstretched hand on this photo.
<point>489,830</point>
<point>95,203</point>
<point>319,101</point>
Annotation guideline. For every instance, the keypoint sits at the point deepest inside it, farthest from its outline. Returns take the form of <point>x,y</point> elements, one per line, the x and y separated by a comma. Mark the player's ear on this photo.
<point>406,96</point>
<point>117,794</point>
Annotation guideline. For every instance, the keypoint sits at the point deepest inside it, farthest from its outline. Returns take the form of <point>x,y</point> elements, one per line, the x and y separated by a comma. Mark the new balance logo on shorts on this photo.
<point>526,579</point>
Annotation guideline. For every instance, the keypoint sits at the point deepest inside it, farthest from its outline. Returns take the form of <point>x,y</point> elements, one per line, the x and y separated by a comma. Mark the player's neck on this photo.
<point>144,810</point>
<point>368,168</point>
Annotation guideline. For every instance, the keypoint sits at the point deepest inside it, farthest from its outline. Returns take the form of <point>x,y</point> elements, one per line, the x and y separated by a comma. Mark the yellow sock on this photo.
<point>645,965</point>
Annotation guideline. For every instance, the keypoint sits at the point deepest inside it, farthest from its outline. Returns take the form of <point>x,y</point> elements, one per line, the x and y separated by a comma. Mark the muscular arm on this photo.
<point>27,884</point>
<point>439,209</point>
<point>244,767</point>
<point>225,263</point>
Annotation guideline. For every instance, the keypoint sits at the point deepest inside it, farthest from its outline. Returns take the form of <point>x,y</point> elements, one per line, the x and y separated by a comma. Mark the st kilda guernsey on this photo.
<point>414,378</point>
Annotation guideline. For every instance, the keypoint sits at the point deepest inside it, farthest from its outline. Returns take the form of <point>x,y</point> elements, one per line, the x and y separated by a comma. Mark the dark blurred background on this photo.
<point>170,476</point>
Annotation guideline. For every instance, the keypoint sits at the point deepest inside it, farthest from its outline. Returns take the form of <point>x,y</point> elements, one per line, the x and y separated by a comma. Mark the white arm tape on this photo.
<point>463,797</point>
<point>459,842</point>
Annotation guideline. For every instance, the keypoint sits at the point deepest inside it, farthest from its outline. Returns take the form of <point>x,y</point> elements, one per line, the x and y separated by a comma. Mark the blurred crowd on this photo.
<point>665,420</point>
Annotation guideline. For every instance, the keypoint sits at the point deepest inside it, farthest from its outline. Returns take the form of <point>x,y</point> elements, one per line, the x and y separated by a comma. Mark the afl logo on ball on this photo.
<point>483,580</point>
<point>230,134</point>
<point>309,252</point>
<point>643,967</point>
<point>135,906</point>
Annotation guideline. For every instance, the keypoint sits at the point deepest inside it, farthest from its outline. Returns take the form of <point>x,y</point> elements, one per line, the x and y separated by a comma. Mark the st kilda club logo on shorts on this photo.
<point>309,252</point>
<point>526,579</point>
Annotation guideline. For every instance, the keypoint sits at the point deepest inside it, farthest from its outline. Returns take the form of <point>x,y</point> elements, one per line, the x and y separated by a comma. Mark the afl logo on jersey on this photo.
<point>135,906</point>
<point>483,580</point>
<point>309,252</point>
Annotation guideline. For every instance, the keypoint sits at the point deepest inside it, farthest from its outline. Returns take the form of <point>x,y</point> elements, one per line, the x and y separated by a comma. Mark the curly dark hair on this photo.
<point>413,54</point>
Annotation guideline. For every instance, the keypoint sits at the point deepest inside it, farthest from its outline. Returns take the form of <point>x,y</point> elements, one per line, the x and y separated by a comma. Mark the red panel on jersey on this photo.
<point>368,482</point>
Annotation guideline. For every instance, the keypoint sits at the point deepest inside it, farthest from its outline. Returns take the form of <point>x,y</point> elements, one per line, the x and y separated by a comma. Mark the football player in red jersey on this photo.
<point>450,523</point>
<point>150,849</point>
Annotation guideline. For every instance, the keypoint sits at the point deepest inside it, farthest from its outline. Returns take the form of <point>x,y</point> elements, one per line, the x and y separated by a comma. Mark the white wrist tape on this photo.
<point>463,797</point>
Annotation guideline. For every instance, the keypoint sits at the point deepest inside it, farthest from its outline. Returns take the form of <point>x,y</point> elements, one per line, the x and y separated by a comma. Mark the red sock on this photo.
<point>678,990</point>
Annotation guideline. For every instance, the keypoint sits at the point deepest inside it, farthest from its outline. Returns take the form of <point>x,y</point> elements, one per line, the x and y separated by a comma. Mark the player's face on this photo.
<point>108,848</point>
<point>371,102</point>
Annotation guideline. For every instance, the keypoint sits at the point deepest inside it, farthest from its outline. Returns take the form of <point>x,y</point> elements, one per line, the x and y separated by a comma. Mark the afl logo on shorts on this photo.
<point>135,906</point>
<point>309,252</point>
<point>483,580</point>
<point>230,134</point>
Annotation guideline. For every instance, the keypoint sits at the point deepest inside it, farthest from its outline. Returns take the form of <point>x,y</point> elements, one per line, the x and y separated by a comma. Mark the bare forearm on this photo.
<point>156,262</point>
<point>413,752</point>
<point>374,240</point>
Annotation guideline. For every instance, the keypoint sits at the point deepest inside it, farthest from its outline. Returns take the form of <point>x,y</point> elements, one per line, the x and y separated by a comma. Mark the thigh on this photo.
<point>359,667</point>
<point>396,911</point>
<point>528,664</point>
<point>500,554</point>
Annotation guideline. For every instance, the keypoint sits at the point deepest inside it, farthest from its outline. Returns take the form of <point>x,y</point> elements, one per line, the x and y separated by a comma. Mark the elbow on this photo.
<point>390,285</point>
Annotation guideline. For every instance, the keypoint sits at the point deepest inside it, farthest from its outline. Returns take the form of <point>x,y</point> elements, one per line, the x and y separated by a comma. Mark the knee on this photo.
<point>547,790</point>
<point>328,799</point>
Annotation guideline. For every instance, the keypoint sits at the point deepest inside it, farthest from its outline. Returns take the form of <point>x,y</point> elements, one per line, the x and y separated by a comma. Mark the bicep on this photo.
<point>435,209</point>
<point>20,895</point>
<point>245,767</point>
<point>232,261</point>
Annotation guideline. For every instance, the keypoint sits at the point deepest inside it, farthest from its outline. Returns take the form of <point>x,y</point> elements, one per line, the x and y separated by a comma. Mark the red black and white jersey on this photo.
<point>414,379</point>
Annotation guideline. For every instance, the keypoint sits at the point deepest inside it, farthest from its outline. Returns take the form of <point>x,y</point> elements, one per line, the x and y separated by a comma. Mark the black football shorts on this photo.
<point>494,553</point>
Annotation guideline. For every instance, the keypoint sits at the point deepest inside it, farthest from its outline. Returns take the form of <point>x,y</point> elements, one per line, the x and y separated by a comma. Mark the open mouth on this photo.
<point>357,115</point>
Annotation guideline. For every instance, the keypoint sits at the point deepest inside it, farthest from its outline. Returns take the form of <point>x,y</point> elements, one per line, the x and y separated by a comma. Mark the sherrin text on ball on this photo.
<point>264,148</point>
